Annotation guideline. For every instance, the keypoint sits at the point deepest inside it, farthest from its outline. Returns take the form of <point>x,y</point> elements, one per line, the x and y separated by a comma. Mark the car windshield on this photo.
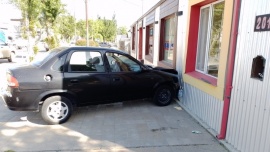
<point>42,57</point>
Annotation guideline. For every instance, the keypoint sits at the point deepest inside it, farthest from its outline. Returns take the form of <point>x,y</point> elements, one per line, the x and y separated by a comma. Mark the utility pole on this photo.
<point>86,15</point>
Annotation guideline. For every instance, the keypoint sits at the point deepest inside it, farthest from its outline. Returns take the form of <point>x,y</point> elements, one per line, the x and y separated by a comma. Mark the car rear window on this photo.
<point>43,57</point>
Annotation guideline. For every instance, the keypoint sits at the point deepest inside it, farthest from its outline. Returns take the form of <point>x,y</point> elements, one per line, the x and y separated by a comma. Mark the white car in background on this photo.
<point>7,51</point>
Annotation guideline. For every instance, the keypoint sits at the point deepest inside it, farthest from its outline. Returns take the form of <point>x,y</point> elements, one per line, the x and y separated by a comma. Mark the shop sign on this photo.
<point>262,23</point>
<point>168,46</point>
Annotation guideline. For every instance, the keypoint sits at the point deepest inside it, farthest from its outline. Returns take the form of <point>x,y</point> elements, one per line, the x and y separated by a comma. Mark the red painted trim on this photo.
<point>192,44</point>
<point>161,44</point>
<point>203,77</point>
<point>192,38</point>
<point>230,69</point>
<point>140,43</point>
<point>193,35</point>
<point>133,38</point>
<point>147,35</point>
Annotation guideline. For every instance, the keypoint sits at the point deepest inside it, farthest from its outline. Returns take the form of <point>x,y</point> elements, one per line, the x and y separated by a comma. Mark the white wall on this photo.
<point>249,115</point>
<point>156,37</point>
<point>204,107</point>
<point>181,34</point>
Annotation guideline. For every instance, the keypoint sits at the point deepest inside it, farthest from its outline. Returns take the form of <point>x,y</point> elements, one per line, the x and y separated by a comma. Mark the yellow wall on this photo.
<point>216,91</point>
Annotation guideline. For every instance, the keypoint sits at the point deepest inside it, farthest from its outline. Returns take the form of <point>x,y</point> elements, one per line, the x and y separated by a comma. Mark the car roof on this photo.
<point>92,48</point>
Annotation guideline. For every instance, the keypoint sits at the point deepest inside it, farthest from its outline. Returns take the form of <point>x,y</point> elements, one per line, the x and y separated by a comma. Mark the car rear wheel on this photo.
<point>12,57</point>
<point>56,110</point>
<point>163,95</point>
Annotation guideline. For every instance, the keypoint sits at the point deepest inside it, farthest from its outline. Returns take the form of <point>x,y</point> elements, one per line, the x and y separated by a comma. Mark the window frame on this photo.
<point>162,62</point>
<point>62,60</point>
<point>133,38</point>
<point>89,51</point>
<point>148,55</point>
<point>118,59</point>
<point>208,37</point>
<point>212,86</point>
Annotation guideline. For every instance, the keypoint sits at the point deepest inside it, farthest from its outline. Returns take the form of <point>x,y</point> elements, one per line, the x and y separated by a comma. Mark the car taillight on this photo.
<point>12,81</point>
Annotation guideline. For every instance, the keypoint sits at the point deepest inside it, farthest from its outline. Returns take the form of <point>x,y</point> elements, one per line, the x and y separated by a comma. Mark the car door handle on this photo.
<point>116,79</point>
<point>74,81</point>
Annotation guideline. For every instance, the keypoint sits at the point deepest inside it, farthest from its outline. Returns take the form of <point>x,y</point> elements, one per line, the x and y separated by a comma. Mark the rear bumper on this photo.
<point>21,101</point>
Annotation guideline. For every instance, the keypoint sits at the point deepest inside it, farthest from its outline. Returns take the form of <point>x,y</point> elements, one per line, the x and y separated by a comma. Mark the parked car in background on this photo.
<point>7,51</point>
<point>21,43</point>
<point>77,76</point>
<point>104,44</point>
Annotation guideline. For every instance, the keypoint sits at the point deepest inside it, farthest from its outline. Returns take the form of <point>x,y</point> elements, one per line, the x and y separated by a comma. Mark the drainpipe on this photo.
<point>230,69</point>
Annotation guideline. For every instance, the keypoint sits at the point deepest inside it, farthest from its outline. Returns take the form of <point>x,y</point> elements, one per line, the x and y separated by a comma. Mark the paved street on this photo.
<point>132,126</point>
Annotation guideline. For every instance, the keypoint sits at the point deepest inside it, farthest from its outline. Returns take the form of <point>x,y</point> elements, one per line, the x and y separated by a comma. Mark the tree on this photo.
<point>97,26</point>
<point>30,10</point>
<point>216,29</point>
<point>66,26</point>
<point>80,27</point>
<point>109,28</point>
<point>122,30</point>
<point>51,9</point>
<point>93,26</point>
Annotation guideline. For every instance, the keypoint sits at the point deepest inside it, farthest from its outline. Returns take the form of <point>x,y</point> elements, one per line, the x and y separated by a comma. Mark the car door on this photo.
<point>128,79</point>
<point>86,76</point>
<point>4,50</point>
<point>55,75</point>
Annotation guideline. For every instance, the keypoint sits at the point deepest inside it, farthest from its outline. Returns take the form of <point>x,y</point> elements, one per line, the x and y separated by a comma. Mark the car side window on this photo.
<point>59,64</point>
<point>122,63</point>
<point>86,61</point>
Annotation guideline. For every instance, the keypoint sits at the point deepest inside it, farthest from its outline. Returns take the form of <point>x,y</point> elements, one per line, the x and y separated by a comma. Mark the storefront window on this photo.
<point>151,40</point>
<point>209,40</point>
<point>133,38</point>
<point>169,35</point>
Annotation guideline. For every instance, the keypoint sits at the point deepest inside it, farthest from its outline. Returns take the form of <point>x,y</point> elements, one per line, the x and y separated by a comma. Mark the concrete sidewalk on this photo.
<point>133,126</point>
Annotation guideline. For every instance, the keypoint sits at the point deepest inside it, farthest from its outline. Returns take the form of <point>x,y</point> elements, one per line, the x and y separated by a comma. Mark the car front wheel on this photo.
<point>56,110</point>
<point>163,95</point>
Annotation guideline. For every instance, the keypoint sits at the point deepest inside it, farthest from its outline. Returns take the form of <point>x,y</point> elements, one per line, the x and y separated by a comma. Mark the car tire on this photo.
<point>12,57</point>
<point>163,95</point>
<point>56,110</point>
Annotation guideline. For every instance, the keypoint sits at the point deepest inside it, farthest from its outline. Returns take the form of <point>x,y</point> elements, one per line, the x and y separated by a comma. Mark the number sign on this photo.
<point>262,23</point>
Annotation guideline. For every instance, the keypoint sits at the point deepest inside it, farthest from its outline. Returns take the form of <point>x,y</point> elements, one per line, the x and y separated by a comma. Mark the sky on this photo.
<point>126,11</point>
<point>8,11</point>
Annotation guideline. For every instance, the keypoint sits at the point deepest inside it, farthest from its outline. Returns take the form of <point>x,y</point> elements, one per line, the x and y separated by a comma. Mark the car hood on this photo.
<point>172,71</point>
<point>168,70</point>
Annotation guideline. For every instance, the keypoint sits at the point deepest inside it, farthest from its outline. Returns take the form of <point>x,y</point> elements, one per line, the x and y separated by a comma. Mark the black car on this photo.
<point>77,76</point>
